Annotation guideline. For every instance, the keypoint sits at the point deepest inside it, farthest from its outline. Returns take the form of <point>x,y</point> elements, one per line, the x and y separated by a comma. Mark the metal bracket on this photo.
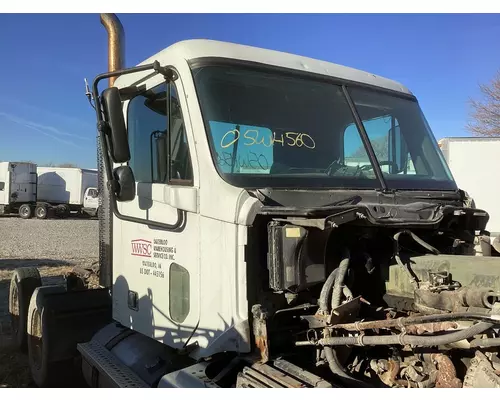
<point>260,331</point>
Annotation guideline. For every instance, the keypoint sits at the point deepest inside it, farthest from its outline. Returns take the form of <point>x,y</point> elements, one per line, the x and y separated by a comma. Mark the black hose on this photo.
<point>326,290</point>
<point>402,339</point>
<point>336,280</point>
<point>488,342</point>
<point>416,239</point>
<point>339,281</point>
<point>338,371</point>
<point>413,278</point>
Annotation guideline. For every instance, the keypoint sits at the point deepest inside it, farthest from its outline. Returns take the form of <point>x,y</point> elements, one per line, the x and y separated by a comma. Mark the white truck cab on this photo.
<point>227,118</point>
<point>260,215</point>
<point>91,201</point>
<point>18,188</point>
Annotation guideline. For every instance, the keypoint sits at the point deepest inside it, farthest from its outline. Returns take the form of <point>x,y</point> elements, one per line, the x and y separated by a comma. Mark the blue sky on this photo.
<point>45,117</point>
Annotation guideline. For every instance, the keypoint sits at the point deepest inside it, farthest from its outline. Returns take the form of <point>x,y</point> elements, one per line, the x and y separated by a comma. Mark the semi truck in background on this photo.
<point>74,189</point>
<point>239,248</point>
<point>474,163</point>
<point>18,188</point>
<point>44,192</point>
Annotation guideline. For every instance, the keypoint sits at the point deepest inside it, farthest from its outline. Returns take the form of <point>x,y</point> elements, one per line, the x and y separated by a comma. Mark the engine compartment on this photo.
<point>366,302</point>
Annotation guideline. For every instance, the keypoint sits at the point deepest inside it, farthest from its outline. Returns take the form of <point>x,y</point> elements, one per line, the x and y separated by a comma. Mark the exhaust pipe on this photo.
<point>116,44</point>
<point>116,61</point>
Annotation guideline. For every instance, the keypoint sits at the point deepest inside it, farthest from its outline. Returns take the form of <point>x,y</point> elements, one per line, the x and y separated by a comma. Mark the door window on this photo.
<point>157,138</point>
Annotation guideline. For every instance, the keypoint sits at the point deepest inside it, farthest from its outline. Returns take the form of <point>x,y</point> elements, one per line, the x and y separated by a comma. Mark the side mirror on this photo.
<point>118,143</point>
<point>125,188</point>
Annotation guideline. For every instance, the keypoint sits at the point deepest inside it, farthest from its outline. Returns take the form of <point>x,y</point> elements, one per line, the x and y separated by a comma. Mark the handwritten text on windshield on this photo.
<point>252,137</point>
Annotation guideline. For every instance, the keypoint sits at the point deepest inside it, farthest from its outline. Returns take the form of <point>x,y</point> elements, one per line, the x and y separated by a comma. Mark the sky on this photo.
<point>45,116</point>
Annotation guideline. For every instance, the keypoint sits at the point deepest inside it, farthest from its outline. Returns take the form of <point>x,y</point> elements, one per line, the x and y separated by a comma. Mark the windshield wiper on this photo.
<point>235,150</point>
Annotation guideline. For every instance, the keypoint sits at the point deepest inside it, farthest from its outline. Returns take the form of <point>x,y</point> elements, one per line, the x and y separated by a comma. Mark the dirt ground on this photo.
<point>77,251</point>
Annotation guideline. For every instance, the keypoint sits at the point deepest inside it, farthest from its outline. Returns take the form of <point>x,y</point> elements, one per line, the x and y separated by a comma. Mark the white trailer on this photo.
<point>18,188</point>
<point>75,189</point>
<point>472,160</point>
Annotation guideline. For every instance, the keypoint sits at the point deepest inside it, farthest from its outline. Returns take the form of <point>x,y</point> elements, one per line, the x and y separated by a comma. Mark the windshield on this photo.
<point>268,129</point>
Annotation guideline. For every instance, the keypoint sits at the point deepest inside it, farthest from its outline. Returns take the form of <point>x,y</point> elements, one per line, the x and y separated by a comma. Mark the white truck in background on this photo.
<point>474,162</point>
<point>42,192</point>
<point>18,188</point>
<point>74,189</point>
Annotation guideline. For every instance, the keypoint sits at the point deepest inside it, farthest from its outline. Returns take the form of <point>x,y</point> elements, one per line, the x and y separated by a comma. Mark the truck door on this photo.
<point>156,270</point>
<point>23,182</point>
<point>91,199</point>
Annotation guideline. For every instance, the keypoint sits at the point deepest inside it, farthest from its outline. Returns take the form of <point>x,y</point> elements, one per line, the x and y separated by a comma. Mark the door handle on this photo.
<point>182,198</point>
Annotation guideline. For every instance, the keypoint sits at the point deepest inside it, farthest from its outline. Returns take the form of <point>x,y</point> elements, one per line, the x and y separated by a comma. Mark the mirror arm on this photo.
<point>101,126</point>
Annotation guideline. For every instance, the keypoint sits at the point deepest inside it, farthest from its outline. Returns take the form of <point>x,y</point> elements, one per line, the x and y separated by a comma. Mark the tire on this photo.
<point>23,283</point>
<point>63,211</point>
<point>41,337</point>
<point>25,211</point>
<point>41,212</point>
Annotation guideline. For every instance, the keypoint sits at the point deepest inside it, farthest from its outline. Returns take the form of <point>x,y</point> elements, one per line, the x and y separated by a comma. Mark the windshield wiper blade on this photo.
<point>264,198</point>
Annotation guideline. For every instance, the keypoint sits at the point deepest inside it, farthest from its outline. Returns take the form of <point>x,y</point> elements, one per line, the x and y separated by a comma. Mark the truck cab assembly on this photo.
<point>267,220</point>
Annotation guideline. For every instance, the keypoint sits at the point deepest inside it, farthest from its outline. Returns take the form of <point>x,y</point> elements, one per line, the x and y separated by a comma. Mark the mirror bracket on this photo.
<point>167,72</point>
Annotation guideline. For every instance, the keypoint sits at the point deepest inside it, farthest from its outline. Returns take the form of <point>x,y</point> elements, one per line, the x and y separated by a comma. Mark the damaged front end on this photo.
<point>376,293</point>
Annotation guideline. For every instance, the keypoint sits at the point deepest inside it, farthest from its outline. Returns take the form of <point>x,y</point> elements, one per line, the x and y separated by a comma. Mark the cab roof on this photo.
<point>195,49</point>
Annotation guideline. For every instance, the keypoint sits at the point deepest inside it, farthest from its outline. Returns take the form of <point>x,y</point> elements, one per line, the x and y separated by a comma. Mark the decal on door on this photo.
<point>141,248</point>
<point>163,251</point>
<point>151,268</point>
<point>158,249</point>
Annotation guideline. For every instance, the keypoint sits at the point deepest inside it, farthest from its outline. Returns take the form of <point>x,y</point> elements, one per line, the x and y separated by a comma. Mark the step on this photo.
<point>109,365</point>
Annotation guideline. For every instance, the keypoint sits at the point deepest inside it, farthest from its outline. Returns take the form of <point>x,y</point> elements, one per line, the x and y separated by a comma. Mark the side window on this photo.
<point>157,137</point>
<point>377,130</point>
<point>2,186</point>
<point>355,154</point>
<point>388,144</point>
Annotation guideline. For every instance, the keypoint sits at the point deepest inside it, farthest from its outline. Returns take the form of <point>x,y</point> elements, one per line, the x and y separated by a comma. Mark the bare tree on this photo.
<point>486,111</point>
<point>380,147</point>
<point>68,165</point>
<point>63,165</point>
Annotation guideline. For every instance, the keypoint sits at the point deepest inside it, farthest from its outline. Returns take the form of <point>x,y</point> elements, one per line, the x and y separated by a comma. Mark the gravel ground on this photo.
<point>55,247</point>
<point>70,239</point>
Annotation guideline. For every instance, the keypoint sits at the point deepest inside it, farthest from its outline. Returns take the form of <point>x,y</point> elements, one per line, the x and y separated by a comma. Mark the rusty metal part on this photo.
<point>278,376</point>
<point>389,376</point>
<point>116,43</point>
<point>301,374</point>
<point>481,374</point>
<point>347,311</point>
<point>454,300</point>
<point>282,374</point>
<point>260,331</point>
<point>414,372</point>
<point>406,384</point>
<point>447,374</point>
<point>407,321</point>
<point>431,327</point>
